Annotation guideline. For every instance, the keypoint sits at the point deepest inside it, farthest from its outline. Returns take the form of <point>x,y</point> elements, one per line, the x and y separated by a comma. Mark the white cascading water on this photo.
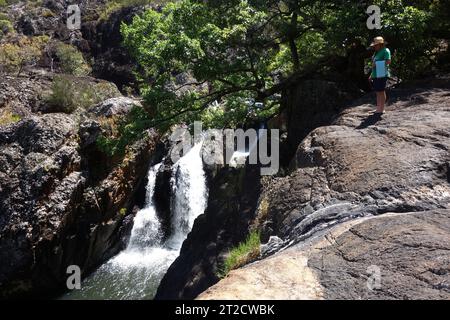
<point>189,188</point>
<point>135,273</point>
<point>146,230</point>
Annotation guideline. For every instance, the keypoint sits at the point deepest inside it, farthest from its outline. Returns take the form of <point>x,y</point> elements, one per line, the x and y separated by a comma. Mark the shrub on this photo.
<point>10,57</point>
<point>47,13</point>
<point>69,93</point>
<point>71,60</point>
<point>7,117</point>
<point>115,5</point>
<point>244,253</point>
<point>24,52</point>
<point>4,3</point>
<point>62,97</point>
<point>5,27</point>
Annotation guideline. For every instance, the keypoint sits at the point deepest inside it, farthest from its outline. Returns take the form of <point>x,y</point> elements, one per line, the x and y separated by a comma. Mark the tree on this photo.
<point>237,52</point>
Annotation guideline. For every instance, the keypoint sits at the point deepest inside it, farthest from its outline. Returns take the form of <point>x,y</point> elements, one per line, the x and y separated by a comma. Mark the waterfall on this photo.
<point>135,273</point>
<point>189,188</point>
<point>146,230</point>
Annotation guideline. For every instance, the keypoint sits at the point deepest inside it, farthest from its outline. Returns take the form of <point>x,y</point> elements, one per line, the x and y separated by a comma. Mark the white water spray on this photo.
<point>135,273</point>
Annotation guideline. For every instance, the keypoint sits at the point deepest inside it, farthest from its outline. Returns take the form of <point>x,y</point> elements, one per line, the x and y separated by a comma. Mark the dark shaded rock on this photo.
<point>311,104</point>
<point>89,132</point>
<point>35,20</point>
<point>104,40</point>
<point>55,5</point>
<point>163,196</point>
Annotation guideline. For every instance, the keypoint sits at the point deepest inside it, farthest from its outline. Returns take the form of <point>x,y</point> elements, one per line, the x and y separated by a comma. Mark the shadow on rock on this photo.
<point>370,121</point>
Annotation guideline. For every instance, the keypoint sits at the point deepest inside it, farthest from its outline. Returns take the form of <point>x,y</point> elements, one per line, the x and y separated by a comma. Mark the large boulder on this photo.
<point>393,256</point>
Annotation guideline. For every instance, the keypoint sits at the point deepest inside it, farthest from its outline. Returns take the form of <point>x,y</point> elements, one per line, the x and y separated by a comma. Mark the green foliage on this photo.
<point>63,96</point>
<point>440,10</point>
<point>215,43</point>
<point>238,51</point>
<point>71,60</point>
<point>69,93</point>
<point>407,29</point>
<point>407,25</point>
<point>5,27</point>
<point>26,51</point>
<point>130,129</point>
<point>4,3</point>
<point>243,254</point>
<point>47,13</point>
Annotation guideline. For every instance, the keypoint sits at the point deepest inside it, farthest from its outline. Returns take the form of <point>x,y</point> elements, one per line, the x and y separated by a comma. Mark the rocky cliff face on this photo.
<point>383,184</point>
<point>63,201</point>
<point>99,37</point>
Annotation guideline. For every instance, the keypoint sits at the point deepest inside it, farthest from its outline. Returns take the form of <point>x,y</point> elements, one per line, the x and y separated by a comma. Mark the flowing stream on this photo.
<point>136,272</point>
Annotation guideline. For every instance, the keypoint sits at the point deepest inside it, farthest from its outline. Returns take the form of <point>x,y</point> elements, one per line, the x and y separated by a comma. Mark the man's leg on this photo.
<point>381,100</point>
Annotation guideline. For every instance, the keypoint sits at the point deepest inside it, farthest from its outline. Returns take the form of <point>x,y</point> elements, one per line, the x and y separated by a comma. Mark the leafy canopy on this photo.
<point>211,60</point>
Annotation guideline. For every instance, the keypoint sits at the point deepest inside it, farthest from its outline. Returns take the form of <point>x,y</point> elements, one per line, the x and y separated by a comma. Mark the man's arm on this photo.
<point>388,57</point>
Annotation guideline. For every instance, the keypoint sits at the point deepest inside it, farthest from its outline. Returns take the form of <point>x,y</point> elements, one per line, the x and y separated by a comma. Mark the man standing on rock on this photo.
<point>381,61</point>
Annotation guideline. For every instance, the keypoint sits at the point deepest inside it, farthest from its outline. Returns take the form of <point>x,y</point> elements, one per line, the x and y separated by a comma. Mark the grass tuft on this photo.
<point>243,254</point>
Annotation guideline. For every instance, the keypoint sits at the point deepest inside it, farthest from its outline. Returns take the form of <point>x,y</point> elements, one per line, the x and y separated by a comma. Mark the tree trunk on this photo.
<point>292,44</point>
